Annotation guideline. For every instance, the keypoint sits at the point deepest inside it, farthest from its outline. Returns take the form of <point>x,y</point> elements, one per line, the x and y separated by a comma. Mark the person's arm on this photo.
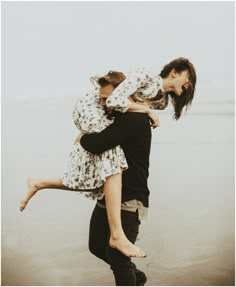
<point>124,128</point>
<point>138,107</point>
<point>144,108</point>
<point>118,100</point>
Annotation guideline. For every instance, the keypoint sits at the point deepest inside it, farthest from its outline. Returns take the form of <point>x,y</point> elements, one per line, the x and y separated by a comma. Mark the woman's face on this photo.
<point>104,93</point>
<point>180,82</point>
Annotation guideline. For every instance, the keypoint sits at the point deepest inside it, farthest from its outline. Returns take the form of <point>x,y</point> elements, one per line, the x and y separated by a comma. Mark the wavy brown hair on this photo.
<point>113,78</point>
<point>185,100</point>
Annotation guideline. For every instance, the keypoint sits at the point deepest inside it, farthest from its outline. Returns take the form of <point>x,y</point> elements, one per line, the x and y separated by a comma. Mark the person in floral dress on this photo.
<point>95,175</point>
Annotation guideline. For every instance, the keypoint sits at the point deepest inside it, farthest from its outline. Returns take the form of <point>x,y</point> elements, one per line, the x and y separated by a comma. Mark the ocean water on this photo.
<point>189,234</point>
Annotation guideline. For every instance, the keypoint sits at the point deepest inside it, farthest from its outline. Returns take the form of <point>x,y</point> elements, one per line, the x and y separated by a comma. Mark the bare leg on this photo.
<point>118,239</point>
<point>35,184</point>
<point>112,189</point>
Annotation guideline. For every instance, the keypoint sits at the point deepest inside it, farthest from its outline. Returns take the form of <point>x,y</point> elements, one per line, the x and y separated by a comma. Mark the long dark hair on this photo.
<point>185,100</point>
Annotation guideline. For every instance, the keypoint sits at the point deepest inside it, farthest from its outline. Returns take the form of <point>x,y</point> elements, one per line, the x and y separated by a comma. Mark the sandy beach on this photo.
<point>189,234</point>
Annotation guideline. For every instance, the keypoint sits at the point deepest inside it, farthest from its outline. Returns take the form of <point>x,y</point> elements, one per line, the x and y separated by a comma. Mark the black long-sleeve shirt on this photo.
<point>132,132</point>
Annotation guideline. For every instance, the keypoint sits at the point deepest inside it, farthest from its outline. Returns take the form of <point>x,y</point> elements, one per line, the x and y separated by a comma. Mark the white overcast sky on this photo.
<point>50,49</point>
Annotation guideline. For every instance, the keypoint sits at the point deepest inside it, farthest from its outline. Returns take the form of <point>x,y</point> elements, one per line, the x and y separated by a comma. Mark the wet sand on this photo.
<point>189,234</point>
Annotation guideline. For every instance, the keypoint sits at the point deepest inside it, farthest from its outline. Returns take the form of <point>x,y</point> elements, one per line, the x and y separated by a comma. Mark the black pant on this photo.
<point>125,272</point>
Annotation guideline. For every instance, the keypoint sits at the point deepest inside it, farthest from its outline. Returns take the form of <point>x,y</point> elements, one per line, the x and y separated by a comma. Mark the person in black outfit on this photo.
<point>132,132</point>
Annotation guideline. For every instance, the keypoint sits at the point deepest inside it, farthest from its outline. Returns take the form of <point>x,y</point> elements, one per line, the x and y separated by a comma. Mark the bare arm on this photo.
<point>144,108</point>
<point>118,100</point>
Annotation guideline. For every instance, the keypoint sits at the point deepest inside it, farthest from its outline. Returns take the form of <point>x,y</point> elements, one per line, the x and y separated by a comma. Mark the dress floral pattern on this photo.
<point>144,86</point>
<point>86,171</point>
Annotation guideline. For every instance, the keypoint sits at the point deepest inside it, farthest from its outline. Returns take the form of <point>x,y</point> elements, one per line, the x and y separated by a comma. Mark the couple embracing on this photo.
<point>109,160</point>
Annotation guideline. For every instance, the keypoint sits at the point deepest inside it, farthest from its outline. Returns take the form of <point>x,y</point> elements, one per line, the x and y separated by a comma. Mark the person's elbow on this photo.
<point>91,145</point>
<point>122,107</point>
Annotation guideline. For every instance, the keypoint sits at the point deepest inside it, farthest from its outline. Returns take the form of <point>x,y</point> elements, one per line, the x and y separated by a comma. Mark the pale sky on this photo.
<point>50,49</point>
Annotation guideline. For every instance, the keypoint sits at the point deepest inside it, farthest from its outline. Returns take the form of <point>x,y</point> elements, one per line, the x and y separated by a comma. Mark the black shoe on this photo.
<point>141,278</point>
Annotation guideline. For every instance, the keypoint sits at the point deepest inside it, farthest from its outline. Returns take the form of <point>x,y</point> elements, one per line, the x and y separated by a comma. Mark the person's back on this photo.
<point>136,148</point>
<point>133,132</point>
<point>137,151</point>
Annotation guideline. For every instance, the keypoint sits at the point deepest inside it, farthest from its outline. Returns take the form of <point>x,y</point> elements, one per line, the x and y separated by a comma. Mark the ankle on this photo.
<point>116,235</point>
<point>34,183</point>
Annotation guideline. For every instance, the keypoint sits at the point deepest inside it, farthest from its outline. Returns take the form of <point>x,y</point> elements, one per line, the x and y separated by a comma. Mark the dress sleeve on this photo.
<point>118,100</point>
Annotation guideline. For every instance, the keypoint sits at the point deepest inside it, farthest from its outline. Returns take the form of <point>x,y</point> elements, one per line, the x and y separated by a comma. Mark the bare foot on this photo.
<point>126,247</point>
<point>33,187</point>
<point>23,204</point>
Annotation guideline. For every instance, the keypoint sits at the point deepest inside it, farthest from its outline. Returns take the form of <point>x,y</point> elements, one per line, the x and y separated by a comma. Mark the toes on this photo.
<point>23,205</point>
<point>139,255</point>
<point>142,254</point>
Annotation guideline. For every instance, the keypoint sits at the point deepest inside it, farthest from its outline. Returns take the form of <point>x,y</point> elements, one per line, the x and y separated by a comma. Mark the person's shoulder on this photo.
<point>133,119</point>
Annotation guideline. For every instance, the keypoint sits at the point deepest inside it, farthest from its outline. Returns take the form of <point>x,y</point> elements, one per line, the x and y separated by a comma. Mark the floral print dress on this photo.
<point>88,172</point>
